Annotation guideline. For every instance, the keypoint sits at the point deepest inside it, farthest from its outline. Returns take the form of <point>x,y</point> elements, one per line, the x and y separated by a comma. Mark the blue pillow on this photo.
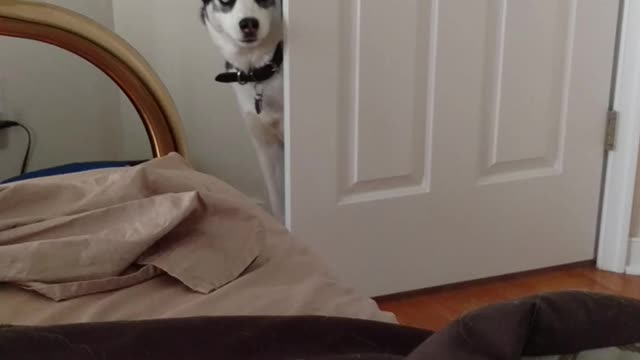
<point>72,168</point>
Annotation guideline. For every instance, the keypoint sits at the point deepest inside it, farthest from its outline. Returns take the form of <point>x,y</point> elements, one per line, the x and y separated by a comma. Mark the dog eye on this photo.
<point>226,2</point>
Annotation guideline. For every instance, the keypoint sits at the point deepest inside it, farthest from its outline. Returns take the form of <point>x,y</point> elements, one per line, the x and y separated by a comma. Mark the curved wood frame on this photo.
<point>109,53</point>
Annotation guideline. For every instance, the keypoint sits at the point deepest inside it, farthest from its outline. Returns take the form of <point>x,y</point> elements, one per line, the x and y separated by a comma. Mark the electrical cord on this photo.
<point>6,124</point>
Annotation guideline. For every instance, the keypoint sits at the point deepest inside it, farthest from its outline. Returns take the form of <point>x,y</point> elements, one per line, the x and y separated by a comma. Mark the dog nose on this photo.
<point>249,25</point>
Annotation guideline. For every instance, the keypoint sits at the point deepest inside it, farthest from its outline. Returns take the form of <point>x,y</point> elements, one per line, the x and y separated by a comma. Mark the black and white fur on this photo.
<point>249,49</point>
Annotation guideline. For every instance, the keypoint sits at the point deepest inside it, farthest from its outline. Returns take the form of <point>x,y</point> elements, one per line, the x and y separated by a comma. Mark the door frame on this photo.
<point>622,162</point>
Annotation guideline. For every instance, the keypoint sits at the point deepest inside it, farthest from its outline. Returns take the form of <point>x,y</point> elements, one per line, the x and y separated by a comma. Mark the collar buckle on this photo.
<point>241,79</point>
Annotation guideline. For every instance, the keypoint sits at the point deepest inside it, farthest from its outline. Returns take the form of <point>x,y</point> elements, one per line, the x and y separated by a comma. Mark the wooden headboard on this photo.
<point>108,52</point>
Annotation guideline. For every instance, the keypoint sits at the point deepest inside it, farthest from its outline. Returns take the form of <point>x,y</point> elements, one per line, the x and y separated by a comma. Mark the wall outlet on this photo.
<point>3,100</point>
<point>4,137</point>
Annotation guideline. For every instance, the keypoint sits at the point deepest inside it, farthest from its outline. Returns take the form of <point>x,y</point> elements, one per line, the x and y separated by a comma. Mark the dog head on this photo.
<point>242,23</point>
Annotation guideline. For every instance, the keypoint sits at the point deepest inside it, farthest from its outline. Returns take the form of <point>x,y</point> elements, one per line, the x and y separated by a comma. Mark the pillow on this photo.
<point>72,168</point>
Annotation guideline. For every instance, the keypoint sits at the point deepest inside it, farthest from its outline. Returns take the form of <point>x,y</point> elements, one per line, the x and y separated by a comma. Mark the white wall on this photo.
<point>170,36</point>
<point>70,105</point>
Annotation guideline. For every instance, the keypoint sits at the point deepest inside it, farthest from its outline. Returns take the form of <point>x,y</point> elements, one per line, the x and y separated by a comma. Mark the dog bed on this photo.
<point>568,325</point>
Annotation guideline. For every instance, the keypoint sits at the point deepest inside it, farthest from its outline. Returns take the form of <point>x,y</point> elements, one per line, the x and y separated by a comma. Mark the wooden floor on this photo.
<point>434,309</point>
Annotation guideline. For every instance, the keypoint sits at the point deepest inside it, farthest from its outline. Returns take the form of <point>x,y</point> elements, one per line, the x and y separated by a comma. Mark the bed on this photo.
<point>276,274</point>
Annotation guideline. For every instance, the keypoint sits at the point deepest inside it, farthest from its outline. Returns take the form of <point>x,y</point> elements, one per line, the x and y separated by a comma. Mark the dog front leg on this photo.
<point>271,158</point>
<point>270,151</point>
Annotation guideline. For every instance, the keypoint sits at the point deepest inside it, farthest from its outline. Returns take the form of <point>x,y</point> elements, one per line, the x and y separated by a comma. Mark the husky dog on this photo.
<point>249,34</point>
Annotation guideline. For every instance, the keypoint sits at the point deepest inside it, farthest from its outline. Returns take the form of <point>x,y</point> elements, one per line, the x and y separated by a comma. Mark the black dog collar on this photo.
<point>256,75</point>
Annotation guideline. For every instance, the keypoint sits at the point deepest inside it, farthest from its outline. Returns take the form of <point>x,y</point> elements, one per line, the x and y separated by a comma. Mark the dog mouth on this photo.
<point>249,40</point>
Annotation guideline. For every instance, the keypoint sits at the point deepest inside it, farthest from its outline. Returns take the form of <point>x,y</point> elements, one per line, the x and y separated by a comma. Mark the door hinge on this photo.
<point>612,130</point>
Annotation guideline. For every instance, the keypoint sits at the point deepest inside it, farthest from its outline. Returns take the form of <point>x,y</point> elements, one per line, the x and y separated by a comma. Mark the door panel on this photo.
<point>385,148</point>
<point>526,115</point>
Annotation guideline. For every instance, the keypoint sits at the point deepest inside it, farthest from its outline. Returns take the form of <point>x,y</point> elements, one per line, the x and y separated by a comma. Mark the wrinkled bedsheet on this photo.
<point>156,241</point>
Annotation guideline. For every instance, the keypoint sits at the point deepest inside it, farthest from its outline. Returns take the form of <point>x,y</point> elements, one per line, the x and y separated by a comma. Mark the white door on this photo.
<point>433,142</point>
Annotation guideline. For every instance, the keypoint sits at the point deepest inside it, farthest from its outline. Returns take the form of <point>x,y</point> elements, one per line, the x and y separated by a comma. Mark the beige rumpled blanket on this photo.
<point>78,234</point>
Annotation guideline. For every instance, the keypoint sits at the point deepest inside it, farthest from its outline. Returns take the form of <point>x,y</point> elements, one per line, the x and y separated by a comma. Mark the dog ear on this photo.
<point>203,10</point>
